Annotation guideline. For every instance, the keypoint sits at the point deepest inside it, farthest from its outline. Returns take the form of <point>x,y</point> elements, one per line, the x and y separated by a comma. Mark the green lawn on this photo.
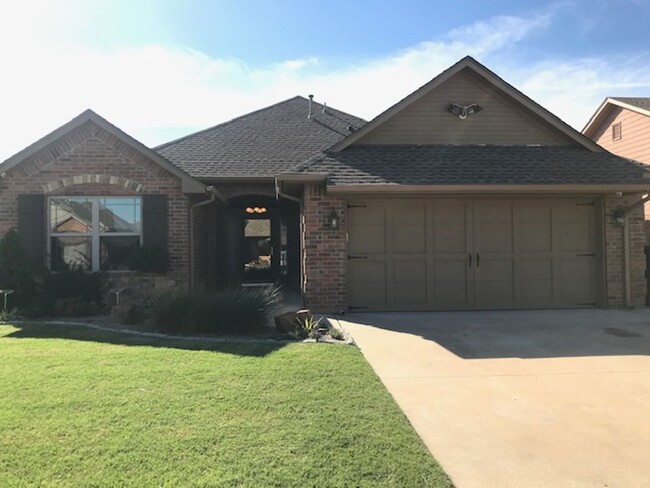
<point>80,407</point>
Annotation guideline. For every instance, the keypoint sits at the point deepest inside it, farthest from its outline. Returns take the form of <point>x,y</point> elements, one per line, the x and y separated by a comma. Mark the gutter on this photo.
<point>214,195</point>
<point>621,216</point>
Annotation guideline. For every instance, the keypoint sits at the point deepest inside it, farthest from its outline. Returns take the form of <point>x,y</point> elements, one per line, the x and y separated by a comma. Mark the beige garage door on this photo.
<point>471,254</point>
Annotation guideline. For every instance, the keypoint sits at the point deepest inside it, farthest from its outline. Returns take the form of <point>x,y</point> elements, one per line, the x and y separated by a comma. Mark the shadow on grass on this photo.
<point>248,346</point>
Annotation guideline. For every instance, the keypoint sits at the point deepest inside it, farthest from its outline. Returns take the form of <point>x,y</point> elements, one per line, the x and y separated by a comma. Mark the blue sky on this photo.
<point>161,69</point>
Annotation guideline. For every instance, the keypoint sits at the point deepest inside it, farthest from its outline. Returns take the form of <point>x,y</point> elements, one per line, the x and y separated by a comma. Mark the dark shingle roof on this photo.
<point>639,102</point>
<point>262,143</point>
<point>473,165</point>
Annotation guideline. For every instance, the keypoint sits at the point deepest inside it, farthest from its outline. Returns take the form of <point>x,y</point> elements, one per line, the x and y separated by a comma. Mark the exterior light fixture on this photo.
<point>333,220</point>
<point>619,216</point>
<point>255,210</point>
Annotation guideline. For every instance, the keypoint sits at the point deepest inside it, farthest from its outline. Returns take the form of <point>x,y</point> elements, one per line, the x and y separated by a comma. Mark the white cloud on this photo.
<point>156,93</point>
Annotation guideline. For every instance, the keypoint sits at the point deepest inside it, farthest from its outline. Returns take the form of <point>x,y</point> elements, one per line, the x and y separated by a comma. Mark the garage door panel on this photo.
<point>535,237</point>
<point>575,237</point>
<point>575,268</point>
<point>576,292</point>
<point>451,295</point>
<point>410,271</point>
<point>409,212</point>
<point>410,293</point>
<point>536,269</point>
<point>445,271</point>
<point>496,269</point>
<point>410,239</point>
<point>368,271</point>
<point>367,283</point>
<point>366,213</point>
<point>449,238</point>
<point>496,294</point>
<point>495,238</point>
<point>367,239</point>
<point>536,293</point>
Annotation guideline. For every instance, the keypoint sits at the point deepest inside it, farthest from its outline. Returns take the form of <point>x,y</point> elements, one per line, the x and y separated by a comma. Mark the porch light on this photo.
<point>255,210</point>
<point>333,220</point>
<point>619,216</point>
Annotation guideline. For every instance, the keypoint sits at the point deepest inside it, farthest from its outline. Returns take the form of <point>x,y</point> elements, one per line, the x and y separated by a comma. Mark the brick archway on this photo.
<point>55,185</point>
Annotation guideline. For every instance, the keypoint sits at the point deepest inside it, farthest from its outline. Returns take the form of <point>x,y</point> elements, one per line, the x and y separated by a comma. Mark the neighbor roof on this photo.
<point>189,184</point>
<point>262,143</point>
<point>473,165</point>
<point>639,105</point>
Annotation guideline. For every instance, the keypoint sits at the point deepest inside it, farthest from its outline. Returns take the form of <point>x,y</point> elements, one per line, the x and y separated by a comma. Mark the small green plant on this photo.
<point>8,315</point>
<point>149,259</point>
<point>72,282</point>
<point>310,327</point>
<point>336,334</point>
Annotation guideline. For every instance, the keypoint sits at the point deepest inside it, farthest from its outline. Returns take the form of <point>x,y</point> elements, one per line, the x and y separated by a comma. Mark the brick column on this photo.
<point>615,266</point>
<point>323,252</point>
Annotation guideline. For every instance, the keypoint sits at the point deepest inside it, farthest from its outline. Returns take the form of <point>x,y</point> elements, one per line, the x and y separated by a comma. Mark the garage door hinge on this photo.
<point>587,255</point>
<point>357,257</point>
<point>585,204</point>
<point>356,206</point>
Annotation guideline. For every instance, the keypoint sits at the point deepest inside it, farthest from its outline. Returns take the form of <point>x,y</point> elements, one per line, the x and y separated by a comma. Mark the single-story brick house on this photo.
<point>464,195</point>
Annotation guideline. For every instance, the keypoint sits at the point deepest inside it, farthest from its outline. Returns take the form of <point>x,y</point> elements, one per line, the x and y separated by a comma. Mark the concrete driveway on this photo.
<point>523,398</point>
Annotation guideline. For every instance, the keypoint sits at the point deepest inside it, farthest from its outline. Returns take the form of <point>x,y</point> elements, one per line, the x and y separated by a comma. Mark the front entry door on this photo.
<point>454,254</point>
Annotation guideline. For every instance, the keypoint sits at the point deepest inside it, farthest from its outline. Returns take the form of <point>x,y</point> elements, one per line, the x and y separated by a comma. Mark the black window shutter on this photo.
<point>154,221</point>
<point>31,227</point>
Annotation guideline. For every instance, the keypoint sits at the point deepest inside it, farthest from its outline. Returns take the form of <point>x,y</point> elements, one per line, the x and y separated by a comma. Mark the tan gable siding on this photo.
<point>635,131</point>
<point>427,121</point>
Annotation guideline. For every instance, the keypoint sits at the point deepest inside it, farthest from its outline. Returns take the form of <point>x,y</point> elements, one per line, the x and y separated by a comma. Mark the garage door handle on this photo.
<point>478,260</point>
<point>469,257</point>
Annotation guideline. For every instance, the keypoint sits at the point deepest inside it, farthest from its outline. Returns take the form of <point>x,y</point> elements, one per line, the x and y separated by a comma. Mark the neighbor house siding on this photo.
<point>90,161</point>
<point>324,251</point>
<point>427,121</point>
<point>635,135</point>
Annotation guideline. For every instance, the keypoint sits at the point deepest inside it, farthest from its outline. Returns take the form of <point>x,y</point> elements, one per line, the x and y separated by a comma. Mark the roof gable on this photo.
<point>509,117</point>
<point>610,104</point>
<point>189,184</point>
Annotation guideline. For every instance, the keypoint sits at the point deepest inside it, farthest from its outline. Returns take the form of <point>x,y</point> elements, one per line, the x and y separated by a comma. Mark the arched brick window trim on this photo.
<point>55,185</point>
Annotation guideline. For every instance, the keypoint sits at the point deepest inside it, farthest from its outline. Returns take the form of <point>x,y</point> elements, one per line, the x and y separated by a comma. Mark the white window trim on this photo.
<point>95,234</point>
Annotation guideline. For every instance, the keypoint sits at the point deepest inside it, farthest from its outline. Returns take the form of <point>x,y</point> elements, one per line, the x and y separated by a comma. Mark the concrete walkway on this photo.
<point>521,399</point>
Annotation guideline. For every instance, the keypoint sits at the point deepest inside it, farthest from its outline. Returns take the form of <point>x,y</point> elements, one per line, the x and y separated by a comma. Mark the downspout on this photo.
<point>621,216</point>
<point>214,194</point>
<point>626,262</point>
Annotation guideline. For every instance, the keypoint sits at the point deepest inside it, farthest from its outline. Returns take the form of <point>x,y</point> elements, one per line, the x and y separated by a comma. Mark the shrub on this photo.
<point>233,311</point>
<point>15,270</point>
<point>149,259</point>
<point>72,282</point>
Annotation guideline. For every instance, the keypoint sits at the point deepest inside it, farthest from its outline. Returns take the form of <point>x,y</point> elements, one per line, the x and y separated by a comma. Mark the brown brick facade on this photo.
<point>91,161</point>
<point>614,254</point>
<point>324,251</point>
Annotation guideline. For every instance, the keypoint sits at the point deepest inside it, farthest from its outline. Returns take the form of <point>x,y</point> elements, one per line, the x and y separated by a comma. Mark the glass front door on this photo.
<point>258,250</point>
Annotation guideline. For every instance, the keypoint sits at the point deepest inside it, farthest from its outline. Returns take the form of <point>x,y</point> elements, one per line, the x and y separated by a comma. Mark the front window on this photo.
<point>94,233</point>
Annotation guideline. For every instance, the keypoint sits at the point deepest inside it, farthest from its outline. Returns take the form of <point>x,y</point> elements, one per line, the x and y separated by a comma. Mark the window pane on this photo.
<point>115,251</point>
<point>257,228</point>
<point>120,215</point>
<point>72,251</point>
<point>71,214</point>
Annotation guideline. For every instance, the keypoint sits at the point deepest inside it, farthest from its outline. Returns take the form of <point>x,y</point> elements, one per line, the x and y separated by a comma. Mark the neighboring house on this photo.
<point>622,126</point>
<point>464,195</point>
